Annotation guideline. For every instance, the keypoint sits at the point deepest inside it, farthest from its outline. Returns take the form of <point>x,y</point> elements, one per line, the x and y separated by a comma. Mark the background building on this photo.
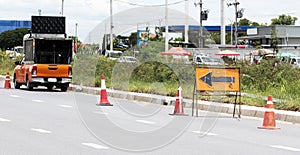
<point>286,36</point>
<point>13,24</point>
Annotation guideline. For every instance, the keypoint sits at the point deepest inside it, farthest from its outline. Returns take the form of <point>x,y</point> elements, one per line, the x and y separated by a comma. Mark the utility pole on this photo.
<point>236,26</point>
<point>166,27</point>
<point>76,36</point>
<point>203,16</point>
<point>200,26</point>
<point>238,14</point>
<point>186,28</point>
<point>223,27</point>
<point>62,7</point>
<point>111,26</point>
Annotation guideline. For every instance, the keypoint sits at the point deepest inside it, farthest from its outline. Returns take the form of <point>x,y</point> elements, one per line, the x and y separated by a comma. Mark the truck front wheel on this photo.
<point>16,83</point>
<point>64,88</point>
<point>49,87</point>
<point>28,84</point>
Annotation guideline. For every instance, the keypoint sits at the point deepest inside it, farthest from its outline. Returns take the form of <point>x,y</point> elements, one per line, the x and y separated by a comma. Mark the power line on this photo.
<point>150,5</point>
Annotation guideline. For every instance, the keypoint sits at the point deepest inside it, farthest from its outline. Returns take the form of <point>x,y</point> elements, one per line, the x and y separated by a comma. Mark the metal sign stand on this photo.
<point>199,92</point>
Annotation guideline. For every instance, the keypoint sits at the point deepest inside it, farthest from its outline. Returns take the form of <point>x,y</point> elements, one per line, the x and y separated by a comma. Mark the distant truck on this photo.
<point>48,55</point>
<point>15,52</point>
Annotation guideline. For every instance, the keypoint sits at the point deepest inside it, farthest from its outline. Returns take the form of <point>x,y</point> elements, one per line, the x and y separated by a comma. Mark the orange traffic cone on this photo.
<point>103,96</point>
<point>269,117</point>
<point>178,104</point>
<point>7,81</point>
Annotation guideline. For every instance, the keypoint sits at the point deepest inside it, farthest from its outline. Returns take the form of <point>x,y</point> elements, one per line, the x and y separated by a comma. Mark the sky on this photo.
<point>89,13</point>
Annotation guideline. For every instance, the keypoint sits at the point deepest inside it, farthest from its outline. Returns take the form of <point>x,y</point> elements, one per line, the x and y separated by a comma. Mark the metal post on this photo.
<point>111,26</point>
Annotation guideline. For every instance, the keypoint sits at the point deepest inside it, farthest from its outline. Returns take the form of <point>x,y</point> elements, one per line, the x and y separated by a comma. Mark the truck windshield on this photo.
<point>53,51</point>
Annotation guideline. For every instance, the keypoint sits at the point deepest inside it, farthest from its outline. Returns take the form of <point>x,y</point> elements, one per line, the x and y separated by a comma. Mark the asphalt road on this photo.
<point>42,122</point>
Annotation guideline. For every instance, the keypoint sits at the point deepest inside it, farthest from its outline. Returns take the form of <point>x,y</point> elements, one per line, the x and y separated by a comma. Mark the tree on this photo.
<point>158,34</point>
<point>215,37</point>
<point>12,38</point>
<point>284,20</point>
<point>133,39</point>
<point>244,22</point>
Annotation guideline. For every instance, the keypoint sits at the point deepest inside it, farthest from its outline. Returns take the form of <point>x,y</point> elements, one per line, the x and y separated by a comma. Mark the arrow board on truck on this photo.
<point>218,79</point>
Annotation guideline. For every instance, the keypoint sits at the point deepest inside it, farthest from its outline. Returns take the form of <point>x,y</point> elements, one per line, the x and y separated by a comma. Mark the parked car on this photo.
<point>205,60</point>
<point>121,45</point>
<point>114,55</point>
<point>295,61</point>
<point>128,59</point>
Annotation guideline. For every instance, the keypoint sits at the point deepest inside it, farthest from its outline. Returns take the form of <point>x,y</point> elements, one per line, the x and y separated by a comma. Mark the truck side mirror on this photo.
<point>17,63</point>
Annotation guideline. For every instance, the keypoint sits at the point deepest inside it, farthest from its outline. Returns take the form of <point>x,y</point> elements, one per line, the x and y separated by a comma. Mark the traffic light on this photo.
<point>204,15</point>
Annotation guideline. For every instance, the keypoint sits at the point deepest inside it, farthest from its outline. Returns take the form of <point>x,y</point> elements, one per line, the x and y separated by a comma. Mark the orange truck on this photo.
<point>47,55</point>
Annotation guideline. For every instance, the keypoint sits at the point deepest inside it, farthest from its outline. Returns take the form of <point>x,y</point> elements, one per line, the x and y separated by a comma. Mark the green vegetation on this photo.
<point>284,20</point>
<point>270,77</point>
<point>6,64</point>
<point>12,38</point>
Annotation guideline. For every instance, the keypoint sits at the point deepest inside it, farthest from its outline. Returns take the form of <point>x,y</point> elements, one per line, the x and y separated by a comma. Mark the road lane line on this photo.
<point>15,96</point>
<point>96,146</point>
<point>101,113</point>
<point>39,101</point>
<point>4,120</point>
<point>205,133</point>
<point>66,106</point>
<point>145,122</point>
<point>285,148</point>
<point>41,131</point>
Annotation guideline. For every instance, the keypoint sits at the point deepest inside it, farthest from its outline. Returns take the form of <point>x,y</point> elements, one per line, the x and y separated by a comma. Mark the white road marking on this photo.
<point>96,146</point>
<point>101,113</point>
<point>285,148</point>
<point>15,96</point>
<point>41,130</point>
<point>66,106</point>
<point>39,101</point>
<point>4,120</point>
<point>145,122</point>
<point>205,133</point>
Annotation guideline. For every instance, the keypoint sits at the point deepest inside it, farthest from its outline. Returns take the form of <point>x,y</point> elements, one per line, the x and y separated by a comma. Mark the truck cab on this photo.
<point>47,60</point>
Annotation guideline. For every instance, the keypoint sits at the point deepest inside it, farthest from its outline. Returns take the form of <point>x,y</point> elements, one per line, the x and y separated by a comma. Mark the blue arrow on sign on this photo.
<point>209,79</point>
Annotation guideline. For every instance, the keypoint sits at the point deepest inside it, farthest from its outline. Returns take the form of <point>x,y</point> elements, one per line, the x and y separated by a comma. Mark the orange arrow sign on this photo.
<point>218,79</point>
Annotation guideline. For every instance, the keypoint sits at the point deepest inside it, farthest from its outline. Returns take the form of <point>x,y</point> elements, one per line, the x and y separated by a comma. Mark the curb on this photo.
<point>250,111</point>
